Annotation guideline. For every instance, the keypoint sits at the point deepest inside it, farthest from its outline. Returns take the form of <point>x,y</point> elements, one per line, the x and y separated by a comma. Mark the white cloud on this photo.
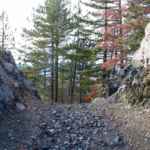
<point>18,10</point>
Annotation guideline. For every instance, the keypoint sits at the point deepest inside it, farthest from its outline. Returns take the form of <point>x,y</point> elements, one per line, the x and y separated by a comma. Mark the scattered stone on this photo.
<point>51,131</point>
<point>116,141</point>
<point>72,129</point>
<point>43,125</point>
<point>20,107</point>
<point>45,148</point>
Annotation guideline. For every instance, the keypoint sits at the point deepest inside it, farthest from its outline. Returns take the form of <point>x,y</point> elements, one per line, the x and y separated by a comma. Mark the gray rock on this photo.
<point>50,132</point>
<point>20,107</point>
<point>6,95</point>
<point>9,67</point>
<point>116,141</point>
<point>43,125</point>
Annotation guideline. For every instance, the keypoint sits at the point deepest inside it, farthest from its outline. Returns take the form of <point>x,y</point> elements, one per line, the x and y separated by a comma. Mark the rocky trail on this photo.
<point>26,124</point>
<point>60,127</point>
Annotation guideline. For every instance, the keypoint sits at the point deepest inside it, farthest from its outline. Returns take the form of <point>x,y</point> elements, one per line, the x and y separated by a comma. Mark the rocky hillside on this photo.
<point>15,90</point>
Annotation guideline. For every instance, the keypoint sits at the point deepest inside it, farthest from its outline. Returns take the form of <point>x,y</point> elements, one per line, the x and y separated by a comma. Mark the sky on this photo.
<point>19,10</point>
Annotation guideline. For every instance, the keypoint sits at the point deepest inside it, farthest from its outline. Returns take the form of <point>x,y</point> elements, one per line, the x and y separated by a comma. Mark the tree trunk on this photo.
<point>56,77</point>
<point>121,32</point>
<point>3,34</point>
<point>80,89</point>
<point>52,73</point>
<point>82,67</point>
<point>45,79</point>
<point>62,86</point>
<point>73,82</point>
<point>105,56</point>
<point>105,34</point>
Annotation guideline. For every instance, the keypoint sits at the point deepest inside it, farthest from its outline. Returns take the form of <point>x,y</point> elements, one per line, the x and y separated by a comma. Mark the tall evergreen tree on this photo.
<point>83,43</point>
<point>50,28</point>
<point>100,15</point>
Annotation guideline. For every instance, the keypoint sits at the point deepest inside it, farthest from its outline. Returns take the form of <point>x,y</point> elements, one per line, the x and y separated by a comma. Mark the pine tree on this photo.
<point>100,14</point>
<point>50,28</point>
<point>82,50</point>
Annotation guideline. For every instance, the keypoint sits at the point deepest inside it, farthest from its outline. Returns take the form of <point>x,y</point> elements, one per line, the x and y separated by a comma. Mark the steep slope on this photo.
<point>15,90</point>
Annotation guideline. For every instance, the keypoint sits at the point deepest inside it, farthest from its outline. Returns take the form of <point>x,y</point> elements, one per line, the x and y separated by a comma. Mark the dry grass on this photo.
<point>133,122</point>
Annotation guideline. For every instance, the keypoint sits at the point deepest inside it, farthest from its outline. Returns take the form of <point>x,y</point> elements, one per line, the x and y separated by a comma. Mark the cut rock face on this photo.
<point>143,53</point>
<point>15,90</point>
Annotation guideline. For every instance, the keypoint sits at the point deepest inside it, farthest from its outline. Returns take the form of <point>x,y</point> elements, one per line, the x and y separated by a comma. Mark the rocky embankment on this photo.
<point>16,92</point>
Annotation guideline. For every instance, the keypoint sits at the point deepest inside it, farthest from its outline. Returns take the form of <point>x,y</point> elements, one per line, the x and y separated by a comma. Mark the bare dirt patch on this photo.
<point>133,122</point>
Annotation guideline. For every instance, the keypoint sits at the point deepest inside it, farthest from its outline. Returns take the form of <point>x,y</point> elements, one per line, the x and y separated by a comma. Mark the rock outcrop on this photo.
<point>131,83</point>
<point>143,53</point>
<point>16,92</point>
<point>135,86</point>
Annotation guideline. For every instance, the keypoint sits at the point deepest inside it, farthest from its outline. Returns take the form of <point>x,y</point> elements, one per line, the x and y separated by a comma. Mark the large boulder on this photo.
<point>15,89</point>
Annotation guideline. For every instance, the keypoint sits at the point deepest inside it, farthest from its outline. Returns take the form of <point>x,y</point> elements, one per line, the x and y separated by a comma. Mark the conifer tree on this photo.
<point>49,31</point>
<point>82,50</point>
